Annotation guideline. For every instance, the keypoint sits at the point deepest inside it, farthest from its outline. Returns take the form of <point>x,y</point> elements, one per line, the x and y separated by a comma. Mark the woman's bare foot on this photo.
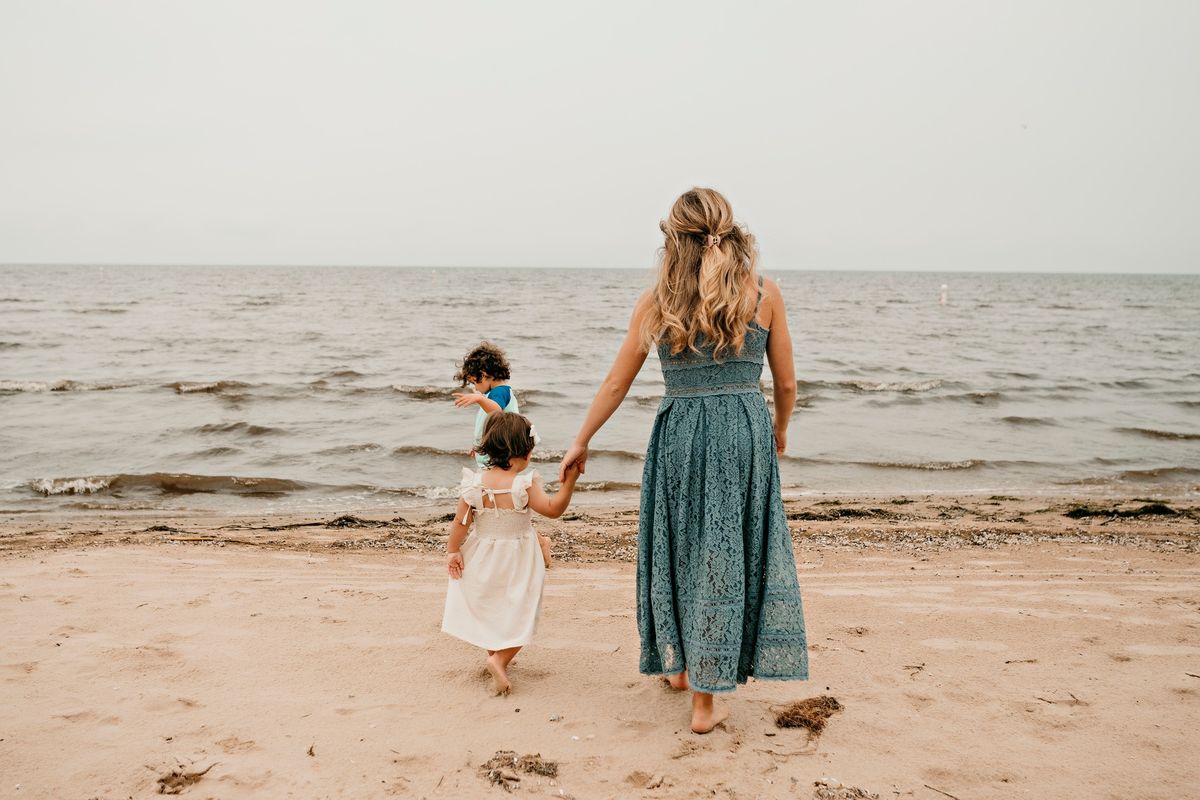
<point>707,714</point>
<point>495,666</point>
<point>678,681</point>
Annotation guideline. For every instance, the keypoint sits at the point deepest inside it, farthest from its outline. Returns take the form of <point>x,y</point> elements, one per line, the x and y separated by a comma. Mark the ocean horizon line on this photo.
<point>542,267</point>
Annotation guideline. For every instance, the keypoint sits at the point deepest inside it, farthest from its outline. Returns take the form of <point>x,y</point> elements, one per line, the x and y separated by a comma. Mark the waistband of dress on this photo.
<point>710,391</point>
<point>503,536</point>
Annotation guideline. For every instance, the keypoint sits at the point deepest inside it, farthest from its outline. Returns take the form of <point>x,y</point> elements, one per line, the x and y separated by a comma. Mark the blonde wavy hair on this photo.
<point>704,293</point>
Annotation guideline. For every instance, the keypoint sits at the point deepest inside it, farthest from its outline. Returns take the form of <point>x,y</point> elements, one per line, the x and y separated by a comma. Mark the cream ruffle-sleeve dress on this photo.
<point>497,601</point>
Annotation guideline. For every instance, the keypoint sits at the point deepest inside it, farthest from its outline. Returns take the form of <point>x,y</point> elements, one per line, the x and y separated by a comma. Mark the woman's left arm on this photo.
<point>783,369</point>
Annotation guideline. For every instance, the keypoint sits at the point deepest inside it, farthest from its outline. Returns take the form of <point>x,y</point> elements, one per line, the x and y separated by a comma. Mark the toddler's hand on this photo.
<point>575,457</point>
<point>464,399</point>
<point>454,565</point>
<point>572,471</point>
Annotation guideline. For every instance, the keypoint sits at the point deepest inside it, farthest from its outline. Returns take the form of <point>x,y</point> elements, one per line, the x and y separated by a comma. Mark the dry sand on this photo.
<point>979,647</point>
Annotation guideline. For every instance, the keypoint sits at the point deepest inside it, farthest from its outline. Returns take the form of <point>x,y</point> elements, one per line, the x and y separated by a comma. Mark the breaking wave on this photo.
<point>1151,433</point>
<point>166,483</point>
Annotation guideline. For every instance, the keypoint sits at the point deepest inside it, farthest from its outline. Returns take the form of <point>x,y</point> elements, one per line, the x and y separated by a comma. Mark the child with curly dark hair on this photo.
<point>486,368</point>
<point>496,570</point>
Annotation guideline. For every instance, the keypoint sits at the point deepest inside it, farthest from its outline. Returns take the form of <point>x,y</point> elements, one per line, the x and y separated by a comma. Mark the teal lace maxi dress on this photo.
<point>716,581</point>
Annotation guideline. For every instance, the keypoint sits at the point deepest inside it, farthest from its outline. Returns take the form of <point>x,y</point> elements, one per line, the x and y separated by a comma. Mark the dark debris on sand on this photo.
<point>175,781</point>
<point>811,714</point>
<point>916,527</point>
<point>502,768</point>
<point>351,521</point>
<point>832,790</point>
<point>1147,510</point>
<point>843,513</point>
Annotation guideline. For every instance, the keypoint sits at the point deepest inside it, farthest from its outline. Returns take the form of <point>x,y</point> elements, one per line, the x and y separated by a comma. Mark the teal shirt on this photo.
<point>502,396</point>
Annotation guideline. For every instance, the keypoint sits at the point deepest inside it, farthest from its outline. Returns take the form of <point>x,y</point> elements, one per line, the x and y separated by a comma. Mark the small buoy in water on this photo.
<point>944,295</point>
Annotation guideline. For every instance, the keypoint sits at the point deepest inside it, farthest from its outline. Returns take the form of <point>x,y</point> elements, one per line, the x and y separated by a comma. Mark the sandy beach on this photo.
<point>979,648</point>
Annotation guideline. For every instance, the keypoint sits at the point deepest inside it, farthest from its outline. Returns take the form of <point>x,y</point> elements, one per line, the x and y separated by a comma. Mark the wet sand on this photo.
<point>979,647</point>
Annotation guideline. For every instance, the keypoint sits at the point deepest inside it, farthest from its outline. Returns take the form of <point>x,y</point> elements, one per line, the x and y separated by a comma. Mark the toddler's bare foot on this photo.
<point>499,674</point>
<point>678,681</point>
<point>706,714</point>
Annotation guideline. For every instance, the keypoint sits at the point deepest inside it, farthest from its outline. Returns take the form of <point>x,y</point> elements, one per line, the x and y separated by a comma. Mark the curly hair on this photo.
<point>706,278</point>
<point>505,436</point>
<point>483,359</point>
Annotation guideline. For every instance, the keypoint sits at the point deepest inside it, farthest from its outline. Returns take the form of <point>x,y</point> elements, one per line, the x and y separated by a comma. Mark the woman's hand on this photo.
<point>780,441</point>
<point>464,399</point>
<point>454,565</point>
<point>574,460</point>
<point>571,472</point>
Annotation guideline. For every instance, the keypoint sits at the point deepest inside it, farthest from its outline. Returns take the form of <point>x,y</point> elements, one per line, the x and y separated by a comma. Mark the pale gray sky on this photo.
<point>976,135</point>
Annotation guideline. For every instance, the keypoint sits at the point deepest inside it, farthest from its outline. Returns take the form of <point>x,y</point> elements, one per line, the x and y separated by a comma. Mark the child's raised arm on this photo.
<point>458,533</point>
<point>554,505</point>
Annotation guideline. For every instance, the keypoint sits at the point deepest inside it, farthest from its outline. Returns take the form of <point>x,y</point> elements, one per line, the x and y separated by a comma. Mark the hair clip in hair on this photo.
<point>713,240</point>
<point>533,434</point>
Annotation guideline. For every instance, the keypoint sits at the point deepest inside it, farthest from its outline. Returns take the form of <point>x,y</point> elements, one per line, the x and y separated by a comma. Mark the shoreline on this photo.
<point>608,531</point>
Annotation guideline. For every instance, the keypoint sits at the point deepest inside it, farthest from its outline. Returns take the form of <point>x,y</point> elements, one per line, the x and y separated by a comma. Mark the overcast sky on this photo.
<point>951,135</point>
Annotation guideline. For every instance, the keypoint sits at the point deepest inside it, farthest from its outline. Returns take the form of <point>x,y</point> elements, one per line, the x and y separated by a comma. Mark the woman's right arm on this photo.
<point>612,391</point>
<point>779,358</point>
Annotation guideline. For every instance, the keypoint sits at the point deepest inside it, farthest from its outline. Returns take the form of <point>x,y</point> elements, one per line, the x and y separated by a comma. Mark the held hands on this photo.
<point>454,565</point>
<point>571,472</point>
<point>573,463</point>
<point>464,399</point>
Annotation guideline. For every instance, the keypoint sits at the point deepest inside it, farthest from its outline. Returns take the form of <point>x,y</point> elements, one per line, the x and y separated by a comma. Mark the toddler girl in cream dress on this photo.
<point>494,596</point>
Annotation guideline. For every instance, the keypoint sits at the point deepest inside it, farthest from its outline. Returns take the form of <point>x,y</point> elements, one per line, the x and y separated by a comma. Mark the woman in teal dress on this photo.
<point>718,599</point>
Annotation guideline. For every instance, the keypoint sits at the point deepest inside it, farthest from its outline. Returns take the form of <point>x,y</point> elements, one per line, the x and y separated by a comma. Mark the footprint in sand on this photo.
<point>1164,649</point>
<point>77,716</point>
<point>232,744</point>
<point>919,702</point>
<point>965,644</point>
<point>639,725</point>
<point>22,667</point>
<point>687,747</point>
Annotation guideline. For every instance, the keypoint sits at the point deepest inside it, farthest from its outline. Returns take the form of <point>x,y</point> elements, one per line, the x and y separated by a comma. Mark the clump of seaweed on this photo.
<point>351,521</point>
<point>829,789</point>
<point>1147,510</point>
<point>175,781</point>
<point>538,765</point>
<point>811,714</point>
<point>502,768</point>
<point>842,513</point>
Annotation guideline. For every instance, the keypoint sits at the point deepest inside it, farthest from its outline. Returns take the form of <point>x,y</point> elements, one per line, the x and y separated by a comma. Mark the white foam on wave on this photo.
<point>50,486</point>
<point>434,492</point>
<point>58,386</point>
<point>33,386</point>
<point>897,386</point>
